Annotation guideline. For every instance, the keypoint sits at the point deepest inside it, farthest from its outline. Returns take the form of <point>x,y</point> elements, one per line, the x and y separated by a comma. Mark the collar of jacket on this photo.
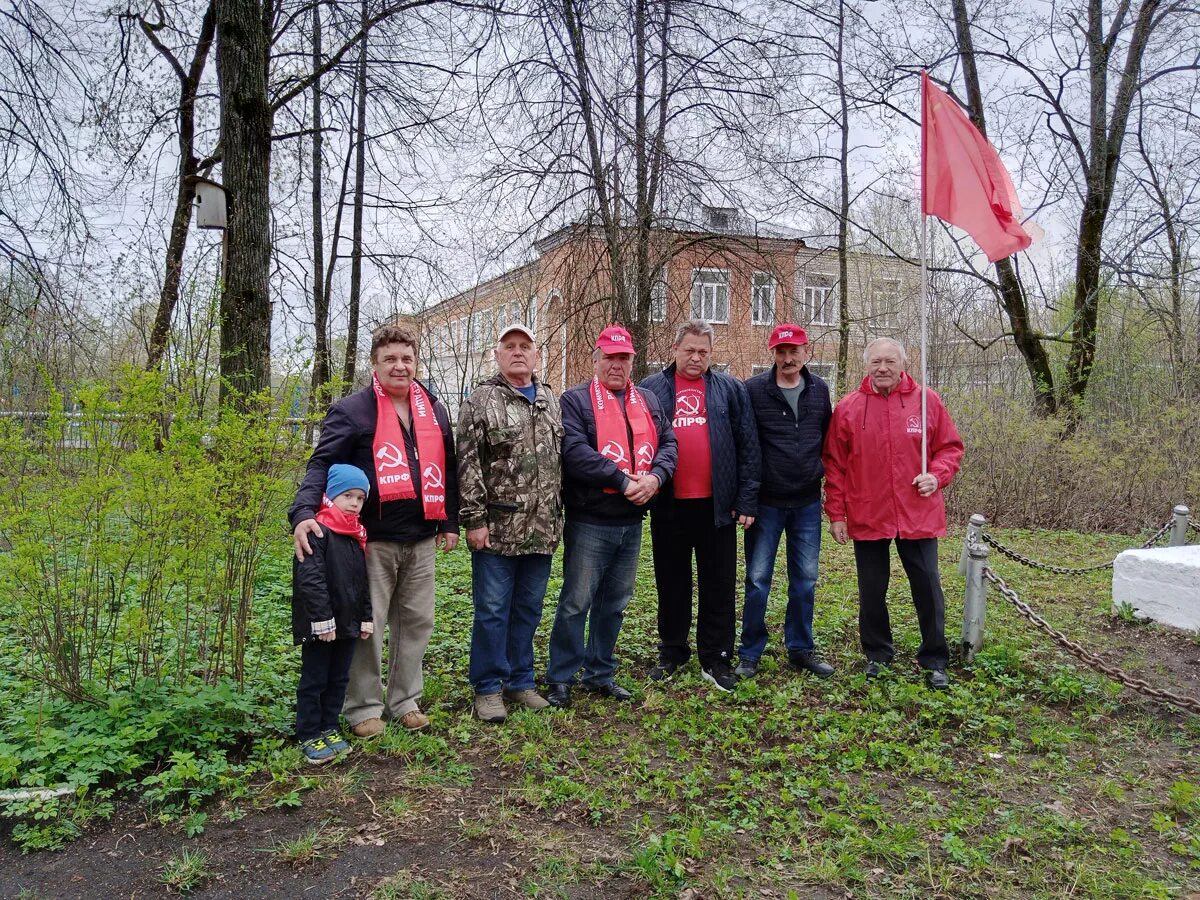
<point>773,386</point>
<point>539,399</point>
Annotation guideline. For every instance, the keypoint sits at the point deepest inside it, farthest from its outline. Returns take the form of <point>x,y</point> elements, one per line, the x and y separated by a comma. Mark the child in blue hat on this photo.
<point>331,609</point>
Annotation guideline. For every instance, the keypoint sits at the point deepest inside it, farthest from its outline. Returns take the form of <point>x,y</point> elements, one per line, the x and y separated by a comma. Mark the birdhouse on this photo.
<point>210,204</point>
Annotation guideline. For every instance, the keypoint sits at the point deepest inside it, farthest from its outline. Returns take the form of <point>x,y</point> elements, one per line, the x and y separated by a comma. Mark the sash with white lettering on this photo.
<point>612,439</point>
<point>391,462</point>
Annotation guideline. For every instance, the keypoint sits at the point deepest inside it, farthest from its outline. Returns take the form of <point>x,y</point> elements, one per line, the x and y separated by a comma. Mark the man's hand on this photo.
<point>446,540</point>
<point>744,521</point>
<point>365,635</point>
<point>479,538</point>
<point>641,489</point>
<point>300,537</point>
<point>926,484</point>
<point>327,636</point>
<point>839,532</point>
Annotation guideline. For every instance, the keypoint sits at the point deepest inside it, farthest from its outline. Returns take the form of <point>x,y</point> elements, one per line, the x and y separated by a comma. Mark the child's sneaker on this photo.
<point>316,751</point>
<point>335,742</point>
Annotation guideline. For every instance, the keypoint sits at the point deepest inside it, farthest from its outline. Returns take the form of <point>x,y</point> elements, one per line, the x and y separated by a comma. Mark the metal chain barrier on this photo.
<point>1068,570</point>
<point>1121,677</point>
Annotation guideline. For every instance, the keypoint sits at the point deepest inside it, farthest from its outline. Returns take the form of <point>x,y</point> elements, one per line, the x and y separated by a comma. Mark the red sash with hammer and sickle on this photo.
<point>391,462</point>
<point>612,440</point>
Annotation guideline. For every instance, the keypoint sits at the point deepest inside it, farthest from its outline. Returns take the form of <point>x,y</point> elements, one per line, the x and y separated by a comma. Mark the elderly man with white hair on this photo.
<point>877,490</point>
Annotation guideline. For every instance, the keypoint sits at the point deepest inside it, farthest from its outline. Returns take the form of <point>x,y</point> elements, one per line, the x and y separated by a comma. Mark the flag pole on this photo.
<point>924,294</point>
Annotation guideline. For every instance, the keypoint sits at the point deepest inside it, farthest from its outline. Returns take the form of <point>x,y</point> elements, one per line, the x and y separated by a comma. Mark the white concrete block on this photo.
<point>1162,584</point>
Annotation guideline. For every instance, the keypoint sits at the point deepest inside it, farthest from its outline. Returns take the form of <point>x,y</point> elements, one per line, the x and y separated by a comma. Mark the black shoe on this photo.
<point>875,668</point>
<point>663,671</point>
<point>612,691</point>
<point>559,696</point>
<point>720,676</point>
<point>937,679</point>
<point>746,668</point>
<point>808,661</point>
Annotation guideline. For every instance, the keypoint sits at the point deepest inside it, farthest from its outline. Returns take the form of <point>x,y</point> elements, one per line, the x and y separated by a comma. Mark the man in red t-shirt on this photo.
<point>715,488</point>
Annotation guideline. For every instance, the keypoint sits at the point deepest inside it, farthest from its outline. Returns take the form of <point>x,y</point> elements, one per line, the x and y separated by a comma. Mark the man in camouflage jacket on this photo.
<point>510,478</point>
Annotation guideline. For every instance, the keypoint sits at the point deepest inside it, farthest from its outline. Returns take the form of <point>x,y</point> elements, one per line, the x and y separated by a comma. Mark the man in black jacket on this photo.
<point>618,451</point>
<point>792,410</point>
<point>715,488</point>
<point>395,426</point>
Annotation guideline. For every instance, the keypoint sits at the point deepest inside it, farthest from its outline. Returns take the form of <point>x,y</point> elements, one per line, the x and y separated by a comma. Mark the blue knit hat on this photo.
<point>343,477</point>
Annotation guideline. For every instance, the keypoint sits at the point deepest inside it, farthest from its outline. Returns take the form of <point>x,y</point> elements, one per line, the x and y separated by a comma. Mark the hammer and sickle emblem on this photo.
<point>687,403</point>
<point>615,452</point>
<point>434,476</point>
<point>389,456</point>
<point>645,455</point>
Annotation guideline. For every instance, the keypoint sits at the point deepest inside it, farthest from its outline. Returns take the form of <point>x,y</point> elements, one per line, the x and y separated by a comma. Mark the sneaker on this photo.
<point>316,751</point>
<point>368,728</point>
<point>747,668</point>
<point>490,708</point>
<point>414,720</point>
<point>937,679</point>
<point>808,661</point>
<point>528,698</point>
<point>663,671</point>
<point>875,668</point>
<point>721,676</point>
<point>335,742</point>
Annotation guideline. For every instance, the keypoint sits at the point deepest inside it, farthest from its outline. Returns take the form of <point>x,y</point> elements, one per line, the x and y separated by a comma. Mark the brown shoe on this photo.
<point>368,728</point>
<point>528,698</point>
<point>414,720</point>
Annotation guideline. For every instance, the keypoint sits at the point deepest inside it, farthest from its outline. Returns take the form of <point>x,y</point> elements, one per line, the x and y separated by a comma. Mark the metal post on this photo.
<point>975,600</point>
<point>974,536</point>
<point>1179,528</point>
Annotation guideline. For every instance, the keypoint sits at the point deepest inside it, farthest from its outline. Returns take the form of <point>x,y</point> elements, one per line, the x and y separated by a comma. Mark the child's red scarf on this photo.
<point>391,462</point>
<point>341,522</point>
<point>612,439</point>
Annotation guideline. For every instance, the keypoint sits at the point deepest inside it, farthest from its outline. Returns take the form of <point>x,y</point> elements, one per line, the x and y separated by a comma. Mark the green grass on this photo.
<point>1030,777</point>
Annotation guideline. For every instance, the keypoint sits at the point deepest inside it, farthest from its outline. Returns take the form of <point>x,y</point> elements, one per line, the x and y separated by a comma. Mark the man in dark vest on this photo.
<point>792,410</point>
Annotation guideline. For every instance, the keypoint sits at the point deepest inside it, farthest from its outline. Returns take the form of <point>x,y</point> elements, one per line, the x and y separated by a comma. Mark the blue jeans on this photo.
<point>803,527</point>
<point>599,568</point>
<point>508,593</point>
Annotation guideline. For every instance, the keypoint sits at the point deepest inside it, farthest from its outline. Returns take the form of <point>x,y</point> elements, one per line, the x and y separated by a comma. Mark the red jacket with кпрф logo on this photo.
<point>873,453</point>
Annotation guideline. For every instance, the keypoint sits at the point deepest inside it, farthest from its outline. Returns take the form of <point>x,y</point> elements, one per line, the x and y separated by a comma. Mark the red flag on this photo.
<point>963,180</point>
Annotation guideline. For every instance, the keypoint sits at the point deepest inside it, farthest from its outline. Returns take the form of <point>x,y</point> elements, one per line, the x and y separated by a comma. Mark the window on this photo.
<point>885,303</point>
<point>531,314</point>
<point>655,366</point>
<point>658,298</point>
<point>710,295</point>
<point>720,367</point>
<point>762,299</point>
<point>758,369</point>
<point>827,372</point>
<point>819,305</point>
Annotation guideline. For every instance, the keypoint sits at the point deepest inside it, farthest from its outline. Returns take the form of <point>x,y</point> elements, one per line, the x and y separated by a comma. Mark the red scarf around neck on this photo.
<point>391,462</point>
<point>612,438</point>
<point>341,522</point>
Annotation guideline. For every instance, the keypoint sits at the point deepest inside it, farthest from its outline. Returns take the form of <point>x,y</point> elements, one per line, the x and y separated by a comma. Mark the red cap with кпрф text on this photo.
<point>614,339</point>
<point>787,333</point>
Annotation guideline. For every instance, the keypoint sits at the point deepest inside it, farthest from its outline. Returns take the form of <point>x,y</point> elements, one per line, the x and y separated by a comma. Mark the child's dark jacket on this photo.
<point>330,584</point>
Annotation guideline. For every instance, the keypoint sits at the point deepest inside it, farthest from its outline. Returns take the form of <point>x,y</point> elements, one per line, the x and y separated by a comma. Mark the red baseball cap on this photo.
<point>787,333</point>
<point>614,339</point>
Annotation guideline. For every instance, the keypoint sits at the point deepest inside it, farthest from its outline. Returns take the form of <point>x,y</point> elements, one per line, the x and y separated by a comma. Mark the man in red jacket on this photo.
<point>876,492</point>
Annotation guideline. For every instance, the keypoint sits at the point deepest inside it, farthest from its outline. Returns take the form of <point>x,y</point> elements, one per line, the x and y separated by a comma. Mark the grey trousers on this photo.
<point>400,578</point>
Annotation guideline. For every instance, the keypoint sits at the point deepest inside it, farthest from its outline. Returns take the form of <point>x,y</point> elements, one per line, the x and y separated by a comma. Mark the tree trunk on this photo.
<point>319,395</point>
<point>185,194</point>
<point>843,358</point>
<point>356,240</point>
<point>1012,294</point>
<point>242,54</point>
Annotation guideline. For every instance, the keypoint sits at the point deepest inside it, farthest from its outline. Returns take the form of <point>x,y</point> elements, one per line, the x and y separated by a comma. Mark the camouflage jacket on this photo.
<point>510,467</point>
